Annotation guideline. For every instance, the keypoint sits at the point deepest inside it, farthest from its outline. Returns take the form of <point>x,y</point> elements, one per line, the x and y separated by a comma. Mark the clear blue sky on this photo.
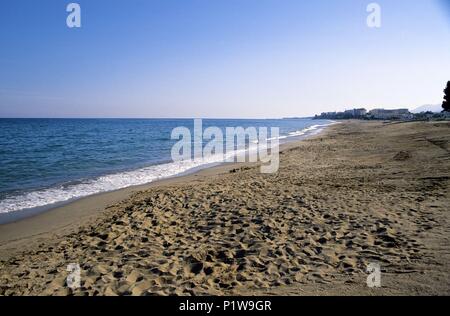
<point>219,58</point>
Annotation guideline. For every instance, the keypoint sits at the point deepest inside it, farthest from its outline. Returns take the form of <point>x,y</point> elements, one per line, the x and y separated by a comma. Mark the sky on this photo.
<point>220,58</point>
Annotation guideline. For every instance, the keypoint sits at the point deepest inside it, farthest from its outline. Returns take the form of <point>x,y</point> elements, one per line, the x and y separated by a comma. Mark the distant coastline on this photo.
<point>382,114</point>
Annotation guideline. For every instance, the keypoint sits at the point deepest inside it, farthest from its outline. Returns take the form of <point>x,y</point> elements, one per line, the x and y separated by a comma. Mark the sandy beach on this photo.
<point>359,193</point>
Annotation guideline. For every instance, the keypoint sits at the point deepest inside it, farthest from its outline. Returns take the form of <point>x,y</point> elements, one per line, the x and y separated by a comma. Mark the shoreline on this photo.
<point>24,213</point>
<point>359,193</point>
<point>28,230</point>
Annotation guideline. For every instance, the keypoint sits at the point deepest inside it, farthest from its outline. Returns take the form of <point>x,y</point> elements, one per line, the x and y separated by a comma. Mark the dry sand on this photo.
<point>362,192</point>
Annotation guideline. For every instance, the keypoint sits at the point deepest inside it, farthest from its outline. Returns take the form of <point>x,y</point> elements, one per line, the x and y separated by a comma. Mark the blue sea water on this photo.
<point>48,161</point>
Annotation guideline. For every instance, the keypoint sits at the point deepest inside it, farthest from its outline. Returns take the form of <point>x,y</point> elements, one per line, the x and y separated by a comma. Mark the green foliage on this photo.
<point>446,103</point>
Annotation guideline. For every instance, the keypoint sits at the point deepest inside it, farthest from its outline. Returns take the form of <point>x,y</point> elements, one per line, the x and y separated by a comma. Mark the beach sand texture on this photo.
<point>359,193</point>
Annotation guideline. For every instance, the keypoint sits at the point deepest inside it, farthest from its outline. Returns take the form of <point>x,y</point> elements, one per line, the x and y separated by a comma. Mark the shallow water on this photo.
<point>48,161</point>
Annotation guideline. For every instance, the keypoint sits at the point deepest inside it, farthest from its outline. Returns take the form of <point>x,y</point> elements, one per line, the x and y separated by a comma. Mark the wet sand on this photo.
<point>360,193</point>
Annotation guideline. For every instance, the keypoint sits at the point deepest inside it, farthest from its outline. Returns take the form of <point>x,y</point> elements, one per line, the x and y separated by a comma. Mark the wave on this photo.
<point>111,182</point>
<point>67,192</point>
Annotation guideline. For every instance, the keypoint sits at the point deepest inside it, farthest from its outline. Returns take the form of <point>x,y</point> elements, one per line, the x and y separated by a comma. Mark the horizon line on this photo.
<point>156,118</point>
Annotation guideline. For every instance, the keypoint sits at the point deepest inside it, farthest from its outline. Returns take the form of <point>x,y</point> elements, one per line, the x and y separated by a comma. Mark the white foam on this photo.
<point>111,182</point>
<point>101,184</point>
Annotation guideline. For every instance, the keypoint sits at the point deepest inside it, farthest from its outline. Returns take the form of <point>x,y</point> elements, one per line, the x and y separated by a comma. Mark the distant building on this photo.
<point>382,114</point>
<point>348,114</point>
<point>360,112</point>
<point>327,115</point>
<point>355,113</point>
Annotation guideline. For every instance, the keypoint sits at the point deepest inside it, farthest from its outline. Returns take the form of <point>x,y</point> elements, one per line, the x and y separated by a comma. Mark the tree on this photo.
<point>446,103</point>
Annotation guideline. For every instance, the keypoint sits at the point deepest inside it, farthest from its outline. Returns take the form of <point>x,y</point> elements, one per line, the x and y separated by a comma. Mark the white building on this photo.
<point>399,114</point>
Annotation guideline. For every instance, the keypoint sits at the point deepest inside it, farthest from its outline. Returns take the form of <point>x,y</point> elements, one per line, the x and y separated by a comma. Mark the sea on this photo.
<point>45,163</point>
